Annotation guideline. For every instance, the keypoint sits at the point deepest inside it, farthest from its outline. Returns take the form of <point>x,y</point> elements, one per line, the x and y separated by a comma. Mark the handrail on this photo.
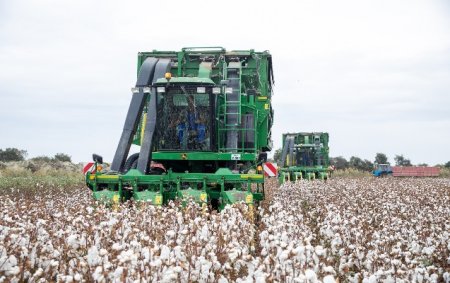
<point>219,48</point>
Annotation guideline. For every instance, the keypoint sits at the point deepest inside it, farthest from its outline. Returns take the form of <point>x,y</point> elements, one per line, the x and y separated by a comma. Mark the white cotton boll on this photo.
<point>103,252</point>
<point>116,247</point>
<point>311,276</point>
<point>428,250</point>
<point>93,258</point>
<point>222,279</point>
<point>54,263</point>
<point>264,252</point>
<point>434,277</point>
<point>12,271</point>
<point>97,275</point>
<point>320,251</point>
<point>38,272</point>
<point>72,241</point>
<point>118,272</point>
<point>329,279</point>
<point>329,269</point>
<point>156,263</point>
<point>204,232</point>
<point>284,256</point>
<point>170,234</point>
<point>165,252</point>
<point>446,277</point>
<point>372,279</point>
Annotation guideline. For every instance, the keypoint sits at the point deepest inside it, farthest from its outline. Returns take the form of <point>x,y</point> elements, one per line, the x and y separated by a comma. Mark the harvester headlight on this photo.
<point>135,90</point>
<point>259,168</point>
<point>146,89</point>
<point>161,89</point>
<point>216,90</point>
<point>168,76</point>
<point>201,89</point>
<point>229,90</point>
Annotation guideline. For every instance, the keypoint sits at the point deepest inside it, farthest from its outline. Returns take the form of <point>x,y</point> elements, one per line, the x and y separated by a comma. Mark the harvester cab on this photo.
<point>304,156</point>
<point>202,118</point>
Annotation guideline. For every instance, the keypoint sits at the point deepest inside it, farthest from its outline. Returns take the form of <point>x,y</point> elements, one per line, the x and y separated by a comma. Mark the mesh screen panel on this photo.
<point>184,119</point>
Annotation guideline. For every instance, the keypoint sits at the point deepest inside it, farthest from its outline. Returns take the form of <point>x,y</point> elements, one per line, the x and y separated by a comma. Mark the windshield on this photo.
<point>184,118</point>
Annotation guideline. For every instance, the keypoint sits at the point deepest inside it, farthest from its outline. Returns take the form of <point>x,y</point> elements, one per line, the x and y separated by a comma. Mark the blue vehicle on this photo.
<point>382,170</point>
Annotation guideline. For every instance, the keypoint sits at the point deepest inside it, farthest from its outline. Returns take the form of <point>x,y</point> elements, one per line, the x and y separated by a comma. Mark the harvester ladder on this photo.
<point>233,95</point>
<point>232,106</point>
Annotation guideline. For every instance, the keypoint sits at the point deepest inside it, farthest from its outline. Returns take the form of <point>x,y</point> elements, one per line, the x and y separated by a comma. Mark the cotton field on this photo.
<point>369,230</point>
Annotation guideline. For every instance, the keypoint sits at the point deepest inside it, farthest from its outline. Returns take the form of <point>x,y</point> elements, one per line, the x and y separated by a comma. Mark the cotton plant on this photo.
<point>364,230</point>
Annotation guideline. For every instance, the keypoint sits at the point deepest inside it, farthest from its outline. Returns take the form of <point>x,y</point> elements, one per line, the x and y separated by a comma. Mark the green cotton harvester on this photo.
<point>304,156</point>
<point>202,118</point>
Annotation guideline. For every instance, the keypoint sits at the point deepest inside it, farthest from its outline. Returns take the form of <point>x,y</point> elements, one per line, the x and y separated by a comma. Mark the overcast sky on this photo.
<point>374,74</point>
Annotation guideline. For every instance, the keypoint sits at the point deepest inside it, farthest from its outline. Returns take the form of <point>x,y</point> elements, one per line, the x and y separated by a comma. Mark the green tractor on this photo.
<point>304,156</point>
<point>202,118</point>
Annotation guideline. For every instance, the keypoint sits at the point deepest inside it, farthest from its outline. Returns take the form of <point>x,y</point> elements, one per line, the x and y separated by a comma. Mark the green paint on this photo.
<point>207,67</point>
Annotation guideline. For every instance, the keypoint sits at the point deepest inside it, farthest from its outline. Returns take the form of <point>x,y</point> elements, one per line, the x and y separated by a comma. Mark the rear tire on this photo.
<point>131,162</point>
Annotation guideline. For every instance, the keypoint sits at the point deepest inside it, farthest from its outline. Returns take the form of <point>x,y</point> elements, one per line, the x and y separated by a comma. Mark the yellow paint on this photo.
<point>144,121</point>
<point>107,177</point>
<point>251,176</point>
<point>266,106</point>
<point>203,197</point>
<point>262,97</point>
<point>92,177</point>
<point>158,199</point>
<point>249,198</point>
<point>115,198</point>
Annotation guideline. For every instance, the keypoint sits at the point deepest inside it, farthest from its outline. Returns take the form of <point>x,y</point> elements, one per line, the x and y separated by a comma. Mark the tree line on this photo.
<point>14,154</point>
<point>355,162</point>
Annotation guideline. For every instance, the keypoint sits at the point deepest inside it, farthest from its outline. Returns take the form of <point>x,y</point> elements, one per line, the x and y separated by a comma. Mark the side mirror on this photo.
<point>97,158</point>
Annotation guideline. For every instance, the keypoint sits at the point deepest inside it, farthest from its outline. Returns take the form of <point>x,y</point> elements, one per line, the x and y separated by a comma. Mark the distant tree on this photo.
<point>400,160</point>
<point>359,164</point>
<point>63,157</point>
<point>381,158</point>
<point>356,162</point>
<point>447,165</point>
<point>368,165</point>
<point>12,154</point>
<point>422,164</point>
<point>339,162</point>
<point>277,156</point>
<point>42,158</point>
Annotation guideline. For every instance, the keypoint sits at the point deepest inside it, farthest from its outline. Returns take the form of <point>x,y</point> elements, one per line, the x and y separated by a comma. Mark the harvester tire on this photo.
<point>131,162</point>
